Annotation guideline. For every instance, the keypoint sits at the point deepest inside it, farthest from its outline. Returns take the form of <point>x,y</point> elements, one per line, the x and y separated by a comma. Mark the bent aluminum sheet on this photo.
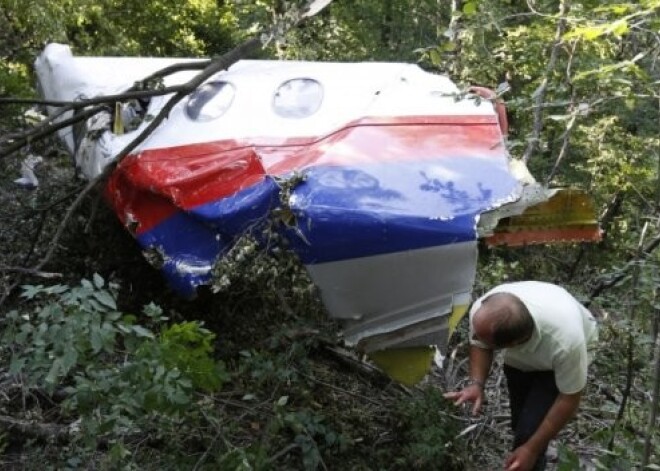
<point>393,169</point>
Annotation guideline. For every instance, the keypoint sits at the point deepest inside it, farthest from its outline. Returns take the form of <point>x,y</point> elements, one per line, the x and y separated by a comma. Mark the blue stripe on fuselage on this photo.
<point>191,242</point>
<point>341,213</point>
<point>349,212</point>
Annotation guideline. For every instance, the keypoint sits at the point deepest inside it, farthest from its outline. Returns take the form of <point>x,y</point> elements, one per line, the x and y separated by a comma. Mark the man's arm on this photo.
<point>480,363</point>
<point>481,360</point>
<point>563,410</point>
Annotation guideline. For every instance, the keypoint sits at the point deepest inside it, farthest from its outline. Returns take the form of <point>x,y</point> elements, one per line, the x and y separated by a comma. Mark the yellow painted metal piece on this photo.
<point>118,125</point>
<point>568,216</point>
<point>406,365</point>
<point>409,365</point>
<point>455,317</point>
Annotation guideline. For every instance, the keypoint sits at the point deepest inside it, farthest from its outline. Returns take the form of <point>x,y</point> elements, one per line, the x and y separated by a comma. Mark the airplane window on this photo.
<point>210,101</point>
<point>298,98</point>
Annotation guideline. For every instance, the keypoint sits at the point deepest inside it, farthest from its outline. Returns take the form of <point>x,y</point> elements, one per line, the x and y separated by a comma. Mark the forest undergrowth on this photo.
<point>103,366</point>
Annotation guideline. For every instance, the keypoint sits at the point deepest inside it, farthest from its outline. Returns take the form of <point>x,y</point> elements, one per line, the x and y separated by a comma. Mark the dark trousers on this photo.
<point>531,395</point>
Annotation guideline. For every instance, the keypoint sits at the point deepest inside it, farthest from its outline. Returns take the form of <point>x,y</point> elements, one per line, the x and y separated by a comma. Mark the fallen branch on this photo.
<point>341,390</point>
<point>606,284</point>
<point>101,99</point>
<point>42,431</point>
<point>47,128</point>
<point>282,452</point>
<point>29,271</point>
<point>349,360</point>
<point>100,103</point>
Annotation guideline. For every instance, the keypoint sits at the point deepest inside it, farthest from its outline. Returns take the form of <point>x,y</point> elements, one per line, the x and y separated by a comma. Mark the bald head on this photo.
<point>502,320</point>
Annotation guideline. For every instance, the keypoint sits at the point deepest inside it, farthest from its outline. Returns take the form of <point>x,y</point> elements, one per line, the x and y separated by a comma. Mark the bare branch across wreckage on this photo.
<point>99,104</point>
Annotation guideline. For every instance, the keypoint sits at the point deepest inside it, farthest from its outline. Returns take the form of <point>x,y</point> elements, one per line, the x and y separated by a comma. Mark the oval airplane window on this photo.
<point>298,98</point>
<point>210,101</point>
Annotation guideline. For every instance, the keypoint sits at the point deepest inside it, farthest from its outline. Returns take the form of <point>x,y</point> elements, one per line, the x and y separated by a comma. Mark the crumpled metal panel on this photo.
<point>567,216</point>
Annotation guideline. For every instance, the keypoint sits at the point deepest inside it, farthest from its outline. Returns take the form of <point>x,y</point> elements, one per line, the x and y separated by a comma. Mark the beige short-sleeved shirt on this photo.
<point>564,336</point>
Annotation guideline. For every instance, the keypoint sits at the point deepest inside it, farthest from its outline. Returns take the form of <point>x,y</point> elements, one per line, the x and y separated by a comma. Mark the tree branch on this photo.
<point>47,129</point>
<point>631,340</point>
<point>604,285</point>
<point>130,94</point>
<point>48,432</point>
<point>539,93</point>
<point>28,271</point>
<point>566,137</point>
<point>655,401</point>
<point>212,67</point>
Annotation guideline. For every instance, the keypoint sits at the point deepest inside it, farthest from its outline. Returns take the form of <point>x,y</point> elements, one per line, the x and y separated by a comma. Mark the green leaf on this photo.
<point>57,289</point>
<point>129,319</point>
<point>160,372</point>
<point>153,311</point>
<point>94,304</point>
<point>470,8</point>
<point>592,32</point>
<point>126,329</point>
<point>435,57</point>
<point>16,365</point>
<point>106,299</point>
<point>99,282</point>
<point>619,28</point>
<point>619,9</point>
<point>448,47</point>
<point>69,359</point>
<point>30,291</point>
<point>86,284</point>
<point>118,452</point>
<point>96,339</point>
<point>54,372</point>
<point>588,33</point>
<point>142,332</point>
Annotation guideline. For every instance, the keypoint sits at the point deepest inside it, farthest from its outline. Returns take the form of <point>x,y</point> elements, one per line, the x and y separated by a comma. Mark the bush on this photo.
<point>429,435</point>
<point>116,374</point>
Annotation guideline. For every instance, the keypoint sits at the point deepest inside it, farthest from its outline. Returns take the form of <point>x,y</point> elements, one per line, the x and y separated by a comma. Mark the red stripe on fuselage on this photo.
<point>146,191</point>
<point>150,186</point>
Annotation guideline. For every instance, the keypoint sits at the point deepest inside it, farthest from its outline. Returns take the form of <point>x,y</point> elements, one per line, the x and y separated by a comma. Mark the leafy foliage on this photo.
<point>430,439</point>
<point>137,392</point>
<point>74,339</point>
<point>584,94</point>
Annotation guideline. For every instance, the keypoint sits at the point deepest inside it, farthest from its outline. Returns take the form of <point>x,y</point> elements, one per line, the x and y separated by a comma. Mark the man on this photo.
<point>545,334</point>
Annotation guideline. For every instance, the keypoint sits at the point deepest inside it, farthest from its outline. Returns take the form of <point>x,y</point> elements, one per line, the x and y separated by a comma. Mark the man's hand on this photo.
<point>480,362</point>
<point>522,459</point>
<point>473,393</point>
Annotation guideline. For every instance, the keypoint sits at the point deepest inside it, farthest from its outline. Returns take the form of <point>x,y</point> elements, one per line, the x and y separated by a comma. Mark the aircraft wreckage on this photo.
<point>390,176</point>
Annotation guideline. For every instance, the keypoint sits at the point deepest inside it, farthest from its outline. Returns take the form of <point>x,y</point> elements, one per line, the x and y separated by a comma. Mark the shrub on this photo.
<point>116,374</point>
